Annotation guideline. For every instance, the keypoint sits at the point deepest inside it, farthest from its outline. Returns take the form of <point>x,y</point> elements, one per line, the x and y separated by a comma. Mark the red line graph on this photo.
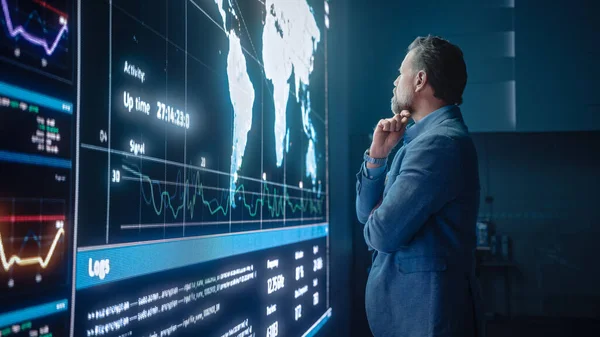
<point>47,6</point>
<point>31,218</point>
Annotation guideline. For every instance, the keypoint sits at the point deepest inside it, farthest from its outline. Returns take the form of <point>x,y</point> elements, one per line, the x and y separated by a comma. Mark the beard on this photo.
<point>404,102</point>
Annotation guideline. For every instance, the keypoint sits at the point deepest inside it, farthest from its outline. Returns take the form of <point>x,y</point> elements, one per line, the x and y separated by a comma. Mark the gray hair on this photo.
<point>444,65</point>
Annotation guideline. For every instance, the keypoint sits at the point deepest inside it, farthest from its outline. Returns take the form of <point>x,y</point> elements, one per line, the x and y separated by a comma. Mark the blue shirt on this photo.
<point>419,220</point>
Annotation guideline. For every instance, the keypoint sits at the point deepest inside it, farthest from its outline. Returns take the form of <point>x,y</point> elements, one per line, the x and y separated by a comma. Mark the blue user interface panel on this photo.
<point>164,168</point>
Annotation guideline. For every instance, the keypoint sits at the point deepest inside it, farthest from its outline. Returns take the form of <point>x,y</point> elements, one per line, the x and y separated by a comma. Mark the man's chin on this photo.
<point>395,107</point>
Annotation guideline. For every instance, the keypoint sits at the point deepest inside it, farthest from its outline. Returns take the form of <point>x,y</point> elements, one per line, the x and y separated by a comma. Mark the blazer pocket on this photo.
<point>421,264</point>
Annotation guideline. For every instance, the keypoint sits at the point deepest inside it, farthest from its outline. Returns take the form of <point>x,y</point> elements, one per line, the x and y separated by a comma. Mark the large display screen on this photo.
<point>164,168</point>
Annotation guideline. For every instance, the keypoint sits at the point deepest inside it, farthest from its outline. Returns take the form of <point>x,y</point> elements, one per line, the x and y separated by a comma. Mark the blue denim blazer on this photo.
<point>422,280</point>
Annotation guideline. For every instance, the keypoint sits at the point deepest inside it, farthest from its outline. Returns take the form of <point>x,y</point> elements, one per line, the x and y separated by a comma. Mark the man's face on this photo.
<point>403,98</point>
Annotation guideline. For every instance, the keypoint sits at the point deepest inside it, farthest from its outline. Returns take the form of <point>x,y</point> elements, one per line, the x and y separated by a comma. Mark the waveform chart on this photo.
<point>185,200</point>
<point>32,243</point>
<point>36,35</point>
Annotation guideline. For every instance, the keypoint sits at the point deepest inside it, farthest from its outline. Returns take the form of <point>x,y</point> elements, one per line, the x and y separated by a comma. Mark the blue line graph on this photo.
<point>21,30</point>
<point>191,193</point>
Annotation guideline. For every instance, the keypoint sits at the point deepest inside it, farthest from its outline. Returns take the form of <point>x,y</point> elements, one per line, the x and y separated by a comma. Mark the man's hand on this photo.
<point>387,134</point>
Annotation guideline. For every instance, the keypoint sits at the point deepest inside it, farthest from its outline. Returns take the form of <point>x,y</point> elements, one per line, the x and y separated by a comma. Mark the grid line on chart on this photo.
<point>214,223</point>
<point>185,106</point>
<point>110,22</point>
<point>246,28</point>
<point>158,160</point>
<point>166,99</point>
<point>195,237</point>
<point>77,151</point>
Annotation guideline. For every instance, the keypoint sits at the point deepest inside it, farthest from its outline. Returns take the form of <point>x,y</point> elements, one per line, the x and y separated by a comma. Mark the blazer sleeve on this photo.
<point>428,178</point>
<point>369,191</point>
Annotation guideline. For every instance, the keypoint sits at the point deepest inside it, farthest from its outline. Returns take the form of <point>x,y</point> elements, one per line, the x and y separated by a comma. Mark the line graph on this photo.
<point>36,36</point>
<point>41,261</point>
<point>192,192</point>
<point>49,46</point>
<point>33,236</point>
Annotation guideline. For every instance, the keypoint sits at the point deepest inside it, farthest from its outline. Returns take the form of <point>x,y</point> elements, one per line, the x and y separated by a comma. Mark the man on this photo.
<point>420,217</point>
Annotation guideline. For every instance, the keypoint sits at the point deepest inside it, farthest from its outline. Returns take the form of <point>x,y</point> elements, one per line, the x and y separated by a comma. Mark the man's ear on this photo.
<point>420,80</point>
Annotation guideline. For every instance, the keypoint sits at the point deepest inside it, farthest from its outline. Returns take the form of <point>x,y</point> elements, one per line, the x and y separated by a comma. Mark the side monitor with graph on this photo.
<point>164,168</point>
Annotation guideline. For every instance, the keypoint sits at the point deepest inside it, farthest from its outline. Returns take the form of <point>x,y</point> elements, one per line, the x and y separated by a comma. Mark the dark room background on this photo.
<point>533,109</point>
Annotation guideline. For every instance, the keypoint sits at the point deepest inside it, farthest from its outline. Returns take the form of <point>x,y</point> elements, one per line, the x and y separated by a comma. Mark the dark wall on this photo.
<point>340,245</point>
<point>362,258</point>
<point>531,63</point>
<point>545,188</point>
<point>380,32</point>
<point>556,65</point>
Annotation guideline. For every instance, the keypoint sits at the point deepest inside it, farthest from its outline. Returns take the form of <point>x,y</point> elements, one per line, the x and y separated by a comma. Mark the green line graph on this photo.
<point>191,193</point>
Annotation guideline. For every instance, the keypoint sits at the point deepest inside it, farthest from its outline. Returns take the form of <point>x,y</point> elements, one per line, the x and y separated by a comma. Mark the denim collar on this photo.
<point>434,118</point>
